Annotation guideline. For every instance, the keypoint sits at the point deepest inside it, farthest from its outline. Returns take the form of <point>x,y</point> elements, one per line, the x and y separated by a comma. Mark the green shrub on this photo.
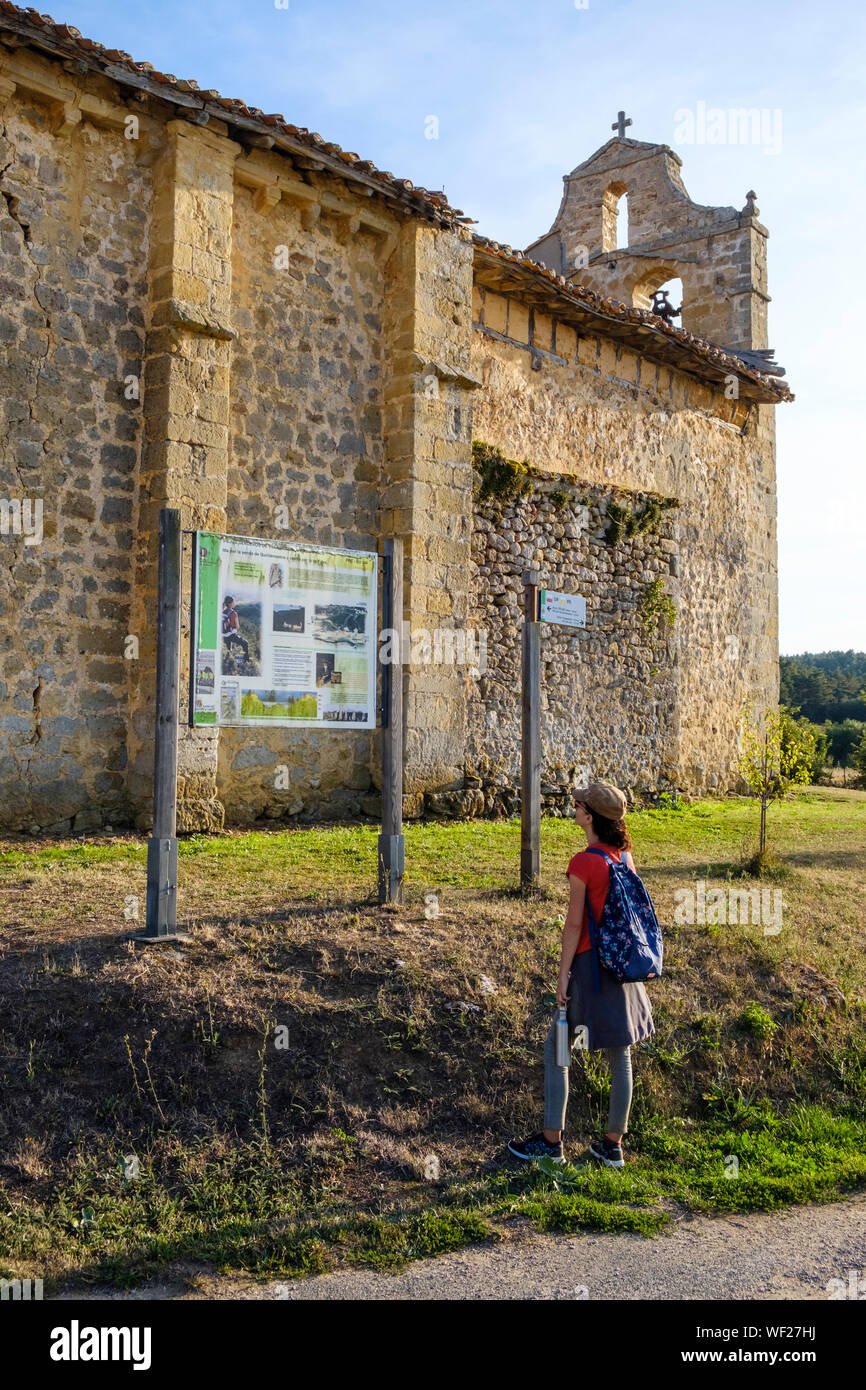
<point>758,1022</point>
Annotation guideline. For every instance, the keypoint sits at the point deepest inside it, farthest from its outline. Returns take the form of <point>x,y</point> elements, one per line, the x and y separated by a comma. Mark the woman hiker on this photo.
<point>616,1017</point>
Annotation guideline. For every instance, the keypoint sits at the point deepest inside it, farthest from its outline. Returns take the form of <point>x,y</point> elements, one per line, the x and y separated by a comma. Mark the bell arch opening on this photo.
<point>660,290</point>
<point>614,217</point>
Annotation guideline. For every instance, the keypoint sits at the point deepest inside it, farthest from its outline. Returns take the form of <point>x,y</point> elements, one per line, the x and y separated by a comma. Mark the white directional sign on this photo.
<point>568,609</point>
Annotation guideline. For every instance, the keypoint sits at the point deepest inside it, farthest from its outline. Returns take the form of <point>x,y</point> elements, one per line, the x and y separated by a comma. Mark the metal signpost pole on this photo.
<point>530,744</point>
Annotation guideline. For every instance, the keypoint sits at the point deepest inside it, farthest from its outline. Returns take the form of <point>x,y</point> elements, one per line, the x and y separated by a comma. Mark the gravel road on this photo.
<point>784,1255</point>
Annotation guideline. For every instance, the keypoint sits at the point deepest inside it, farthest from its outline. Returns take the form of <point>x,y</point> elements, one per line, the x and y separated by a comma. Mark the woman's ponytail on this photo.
<point>610,832</point>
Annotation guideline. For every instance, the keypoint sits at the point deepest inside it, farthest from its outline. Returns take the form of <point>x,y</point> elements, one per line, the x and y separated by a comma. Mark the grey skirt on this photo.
<point>617,1016</point>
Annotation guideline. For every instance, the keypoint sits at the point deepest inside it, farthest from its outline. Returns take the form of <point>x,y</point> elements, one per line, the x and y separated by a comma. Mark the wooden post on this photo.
<point>193,624</point>
<point>530,743</point>
<point>391,841</point>
<point>161,915</point>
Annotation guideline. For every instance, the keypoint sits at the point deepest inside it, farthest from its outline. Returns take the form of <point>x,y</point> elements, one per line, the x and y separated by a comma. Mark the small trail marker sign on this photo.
<point>568,609</point>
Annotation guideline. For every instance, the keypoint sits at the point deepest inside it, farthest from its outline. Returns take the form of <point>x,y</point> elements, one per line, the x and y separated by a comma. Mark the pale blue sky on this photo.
<point>526,89</point>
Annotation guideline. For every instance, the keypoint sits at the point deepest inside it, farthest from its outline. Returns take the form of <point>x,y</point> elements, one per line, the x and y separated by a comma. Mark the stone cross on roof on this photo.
<point>620,124</point>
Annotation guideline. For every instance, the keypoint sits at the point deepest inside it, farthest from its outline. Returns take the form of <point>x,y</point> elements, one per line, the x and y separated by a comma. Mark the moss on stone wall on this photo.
<point>646,520</point>
<point>497,477</point>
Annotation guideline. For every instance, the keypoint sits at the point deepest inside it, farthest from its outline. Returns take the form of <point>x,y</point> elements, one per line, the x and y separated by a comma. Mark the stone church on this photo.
<point>207,307</point>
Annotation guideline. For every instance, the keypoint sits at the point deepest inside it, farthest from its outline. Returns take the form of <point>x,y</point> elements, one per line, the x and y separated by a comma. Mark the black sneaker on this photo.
<point>607,1152</point>
<point>535,1147</point>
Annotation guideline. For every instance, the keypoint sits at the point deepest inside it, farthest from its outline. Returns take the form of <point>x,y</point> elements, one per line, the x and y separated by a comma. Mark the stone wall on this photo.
<point>609,690</point>
<point>74,234</point>
<point>334,384</point>
<point>184,461</point>
<point>427,492</point>
<point>584,407</point>
<point>306,435</point>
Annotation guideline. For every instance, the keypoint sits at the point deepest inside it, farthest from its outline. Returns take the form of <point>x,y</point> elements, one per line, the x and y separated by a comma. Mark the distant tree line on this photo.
<point>825,685</point>
<point>827,690</point>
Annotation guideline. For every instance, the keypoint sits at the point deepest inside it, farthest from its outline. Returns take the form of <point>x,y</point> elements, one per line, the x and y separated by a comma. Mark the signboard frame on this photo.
<point>297,664</point>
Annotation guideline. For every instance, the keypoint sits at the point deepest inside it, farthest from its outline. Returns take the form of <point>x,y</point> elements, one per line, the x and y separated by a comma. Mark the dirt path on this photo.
<point>784,1255</point>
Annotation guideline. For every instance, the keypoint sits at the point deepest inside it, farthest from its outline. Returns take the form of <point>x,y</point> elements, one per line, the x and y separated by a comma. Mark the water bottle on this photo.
<point>563,1051</point>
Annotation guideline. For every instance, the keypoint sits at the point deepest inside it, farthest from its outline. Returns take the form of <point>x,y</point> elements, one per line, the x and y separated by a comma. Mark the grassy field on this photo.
<point>315,1080</point>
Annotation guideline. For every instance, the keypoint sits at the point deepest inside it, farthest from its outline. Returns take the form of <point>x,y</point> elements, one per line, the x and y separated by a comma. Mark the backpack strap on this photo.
<point>594,849</point>
<point>593,925</point>
<point>626,858</point>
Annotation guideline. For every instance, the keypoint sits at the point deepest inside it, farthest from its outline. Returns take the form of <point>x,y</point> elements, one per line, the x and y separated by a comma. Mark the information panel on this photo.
<point>568,609</point>
<point>284,634</point>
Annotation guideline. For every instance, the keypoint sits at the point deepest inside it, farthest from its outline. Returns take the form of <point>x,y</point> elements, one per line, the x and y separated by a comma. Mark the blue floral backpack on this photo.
<point>628,939</point>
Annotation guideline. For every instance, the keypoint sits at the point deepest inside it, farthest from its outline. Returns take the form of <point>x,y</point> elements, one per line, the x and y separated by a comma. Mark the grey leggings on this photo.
<point>556,1086</point>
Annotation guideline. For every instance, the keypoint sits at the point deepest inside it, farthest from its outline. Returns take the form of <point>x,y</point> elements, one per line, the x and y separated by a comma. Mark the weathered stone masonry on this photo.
<point>73,240</point>
<point>206,308</point>
<point>609,691</point>
<point>600,415</point>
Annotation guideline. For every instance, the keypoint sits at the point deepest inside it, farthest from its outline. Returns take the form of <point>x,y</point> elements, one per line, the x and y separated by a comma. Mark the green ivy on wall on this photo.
<point>621,522</point>
<point>503,480</point>
<point>656,609</point>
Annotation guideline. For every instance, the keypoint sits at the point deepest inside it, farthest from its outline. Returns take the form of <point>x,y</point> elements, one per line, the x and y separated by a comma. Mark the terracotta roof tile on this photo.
<point>640,320</point>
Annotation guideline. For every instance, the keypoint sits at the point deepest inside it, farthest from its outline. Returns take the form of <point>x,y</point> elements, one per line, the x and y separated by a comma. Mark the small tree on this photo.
<point>776,753</point>
<point>859,757</point>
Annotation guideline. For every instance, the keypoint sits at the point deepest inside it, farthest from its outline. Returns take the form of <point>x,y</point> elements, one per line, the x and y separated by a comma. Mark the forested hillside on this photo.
<point>825,685</point>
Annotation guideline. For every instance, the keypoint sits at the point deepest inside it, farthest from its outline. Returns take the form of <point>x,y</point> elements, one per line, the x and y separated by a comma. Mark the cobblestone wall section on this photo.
<point>609,691</point>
